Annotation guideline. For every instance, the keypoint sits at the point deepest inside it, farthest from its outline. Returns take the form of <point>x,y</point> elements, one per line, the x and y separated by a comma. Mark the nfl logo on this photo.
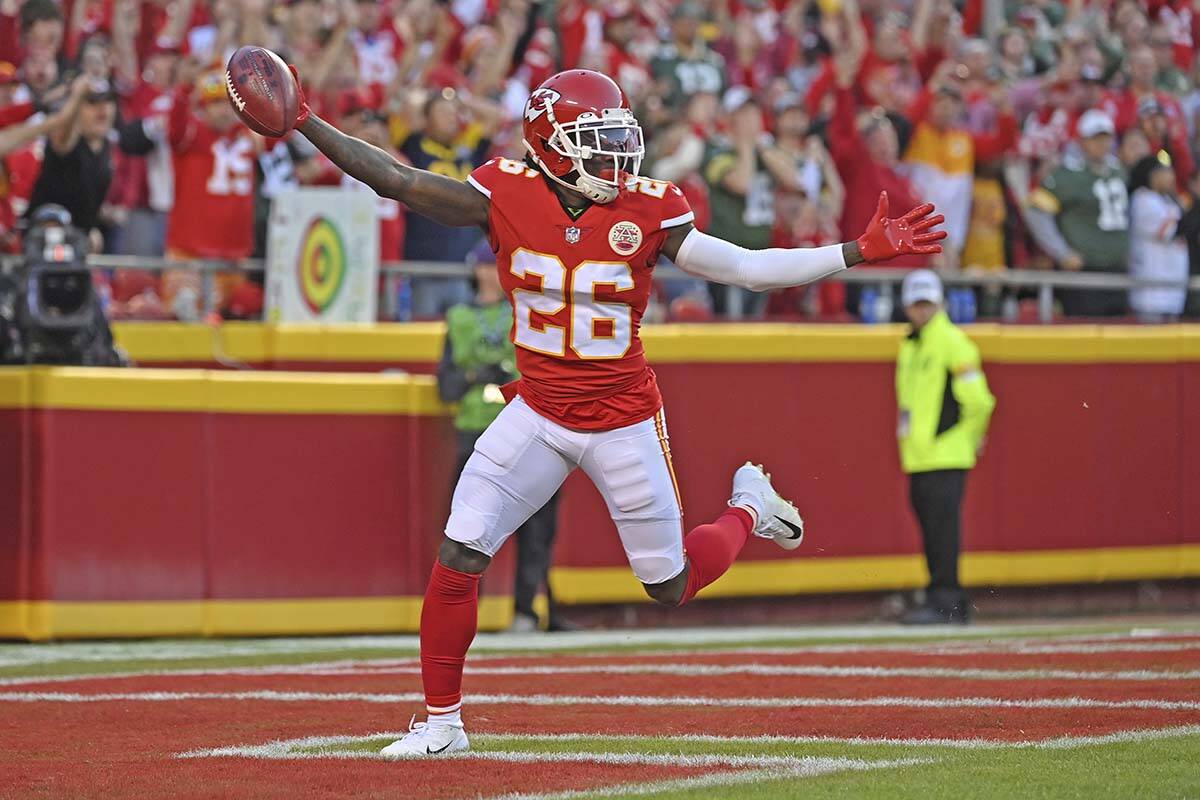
<point>572,235</point>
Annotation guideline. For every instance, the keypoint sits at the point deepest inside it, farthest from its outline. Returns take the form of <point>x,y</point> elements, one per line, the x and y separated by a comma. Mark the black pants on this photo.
<point>1094,302</point>
<point>535,540</point>
<point>937,501</point>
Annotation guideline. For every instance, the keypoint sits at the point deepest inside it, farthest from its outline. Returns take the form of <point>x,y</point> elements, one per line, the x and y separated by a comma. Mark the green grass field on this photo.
<point>1108,710</point>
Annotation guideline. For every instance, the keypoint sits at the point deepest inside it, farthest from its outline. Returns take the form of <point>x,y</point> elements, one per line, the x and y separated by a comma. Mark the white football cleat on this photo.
<point>775,518</point>
<point>424,739</point>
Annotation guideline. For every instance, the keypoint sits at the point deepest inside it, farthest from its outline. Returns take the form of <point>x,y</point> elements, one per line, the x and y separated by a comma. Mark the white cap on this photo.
<point>921,284</point>
<point>1095,122</point>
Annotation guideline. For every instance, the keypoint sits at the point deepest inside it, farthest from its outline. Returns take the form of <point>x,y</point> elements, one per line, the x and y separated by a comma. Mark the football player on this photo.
<point>577,232</point>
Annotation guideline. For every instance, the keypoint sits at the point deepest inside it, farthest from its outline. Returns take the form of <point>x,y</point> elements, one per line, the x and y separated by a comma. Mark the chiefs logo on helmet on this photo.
<point>580,132</point>
<point>539,102</point>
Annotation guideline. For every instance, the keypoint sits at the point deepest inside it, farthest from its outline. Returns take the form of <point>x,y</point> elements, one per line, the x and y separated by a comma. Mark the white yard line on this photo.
<point>1058,743</point>
<point>302,747</point>
<point>745,769</point>
<point>169,650</point>
<point>614,700</point>
<point>412,667</point>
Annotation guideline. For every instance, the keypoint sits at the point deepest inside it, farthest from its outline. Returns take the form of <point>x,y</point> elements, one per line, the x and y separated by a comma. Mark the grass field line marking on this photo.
<point>924,649</point>
<point>805,670</point>
<point>616,700</point>
<point>167,650</point>
<point>303,750</point>
<point>815,769</point>
<point>1057,743</point>
<point>355,669</point>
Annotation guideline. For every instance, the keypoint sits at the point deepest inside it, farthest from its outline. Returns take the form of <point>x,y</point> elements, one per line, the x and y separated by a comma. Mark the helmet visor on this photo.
<point>607,148</point>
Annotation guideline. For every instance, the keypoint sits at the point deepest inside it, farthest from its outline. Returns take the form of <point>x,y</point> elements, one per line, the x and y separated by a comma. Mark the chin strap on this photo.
<point>600,195</point>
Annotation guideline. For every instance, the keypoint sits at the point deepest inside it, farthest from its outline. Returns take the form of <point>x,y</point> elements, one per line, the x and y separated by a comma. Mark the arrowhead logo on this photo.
<point>539,101</point>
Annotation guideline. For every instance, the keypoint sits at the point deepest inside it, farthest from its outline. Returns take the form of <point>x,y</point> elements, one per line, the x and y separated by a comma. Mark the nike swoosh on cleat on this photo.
<point>439,750</point>
<point>796,531</point>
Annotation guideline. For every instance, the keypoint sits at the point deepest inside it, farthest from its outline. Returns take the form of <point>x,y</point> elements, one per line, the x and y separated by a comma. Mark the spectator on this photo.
<point>1143,75</point>
<point>1152,120</point>
<point>1079,217</point>
<point>447,147</point>
<point>42,28</point>
<point>867,154</point>
<point>743,172</point>
<point>1133,148</point>
<point>213,213</point>
<point>1156,250</point>
<point>1170,77</point>
<point>941,157</point>
<point>78,165</point>
<point>806,215</point>
<point>686,65</point>
<point>377,45</point>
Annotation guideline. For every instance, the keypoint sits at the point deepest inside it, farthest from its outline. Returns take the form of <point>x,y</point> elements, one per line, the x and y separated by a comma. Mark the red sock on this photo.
<point>448,620</point>
<point>711,549</point>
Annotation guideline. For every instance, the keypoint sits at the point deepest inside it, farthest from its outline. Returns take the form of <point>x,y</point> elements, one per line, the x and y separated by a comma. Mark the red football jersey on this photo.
<point>579,287</point>
<point>213,215</point>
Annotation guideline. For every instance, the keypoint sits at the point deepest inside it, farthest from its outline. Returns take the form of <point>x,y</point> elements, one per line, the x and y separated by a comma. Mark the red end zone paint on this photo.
<point>611,685</point>
<point>975,657</point>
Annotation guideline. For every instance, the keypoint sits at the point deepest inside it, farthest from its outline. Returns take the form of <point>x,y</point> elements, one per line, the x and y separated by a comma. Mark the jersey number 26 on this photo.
<point>586,311</point>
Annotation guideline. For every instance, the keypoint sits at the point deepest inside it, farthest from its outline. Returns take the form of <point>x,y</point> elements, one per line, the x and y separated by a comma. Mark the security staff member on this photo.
<point>478,359</point>
<point>944,409</point>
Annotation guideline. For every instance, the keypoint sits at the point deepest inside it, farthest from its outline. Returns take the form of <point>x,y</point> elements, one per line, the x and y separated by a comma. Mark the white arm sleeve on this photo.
<point>724,262</point>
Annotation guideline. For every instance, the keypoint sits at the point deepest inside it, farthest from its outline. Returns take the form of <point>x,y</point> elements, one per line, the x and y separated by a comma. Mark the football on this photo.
<point>262,90</point>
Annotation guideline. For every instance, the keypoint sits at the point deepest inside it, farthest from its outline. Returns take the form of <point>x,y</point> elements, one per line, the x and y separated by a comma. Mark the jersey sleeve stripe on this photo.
<point>676,221</point>
<point>486,192</point>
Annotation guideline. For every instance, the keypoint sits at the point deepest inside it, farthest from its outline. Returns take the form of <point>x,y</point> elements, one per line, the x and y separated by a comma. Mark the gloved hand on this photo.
<point>906,235</point>
<point>303,111</point>
<point>492,373</point>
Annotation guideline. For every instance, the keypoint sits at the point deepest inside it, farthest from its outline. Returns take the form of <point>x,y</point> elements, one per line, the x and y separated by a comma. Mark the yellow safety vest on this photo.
<point>943,398</point>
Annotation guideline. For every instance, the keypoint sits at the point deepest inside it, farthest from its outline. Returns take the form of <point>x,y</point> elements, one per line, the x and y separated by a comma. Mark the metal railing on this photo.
<point>1043,282</point>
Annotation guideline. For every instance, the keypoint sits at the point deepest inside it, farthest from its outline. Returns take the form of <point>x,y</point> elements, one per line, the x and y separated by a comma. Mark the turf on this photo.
<point>1161,768</point>
<point>1129,771</point>
<point>149,660</point>
<point>132,746</point>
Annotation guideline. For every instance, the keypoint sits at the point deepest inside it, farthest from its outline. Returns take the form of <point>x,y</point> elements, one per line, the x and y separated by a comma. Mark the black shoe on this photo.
<point>930,615</point>
<point>560,625</point>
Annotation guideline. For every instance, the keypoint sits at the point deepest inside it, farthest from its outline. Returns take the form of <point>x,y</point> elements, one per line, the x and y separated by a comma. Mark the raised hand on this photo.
<point>910,234</point>
<point>302,109</point>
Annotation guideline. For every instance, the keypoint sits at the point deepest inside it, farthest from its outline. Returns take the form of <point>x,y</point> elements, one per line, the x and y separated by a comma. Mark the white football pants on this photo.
<point>522,458</point>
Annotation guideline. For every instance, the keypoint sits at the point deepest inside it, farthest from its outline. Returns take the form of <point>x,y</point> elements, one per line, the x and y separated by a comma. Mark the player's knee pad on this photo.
<point>478,504</point>
<point>655,568</point>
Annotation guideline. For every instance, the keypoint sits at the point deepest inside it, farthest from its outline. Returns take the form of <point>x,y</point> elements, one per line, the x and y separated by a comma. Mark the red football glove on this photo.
<point>907,235</point>
<point>303,110</point>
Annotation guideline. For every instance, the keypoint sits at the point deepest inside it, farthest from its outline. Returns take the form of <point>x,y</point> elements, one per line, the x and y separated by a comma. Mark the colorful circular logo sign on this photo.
<point>322,265</point>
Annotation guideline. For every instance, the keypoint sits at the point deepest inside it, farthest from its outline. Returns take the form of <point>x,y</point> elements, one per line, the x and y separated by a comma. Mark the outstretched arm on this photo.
<point>437,197</point>
<point>724,262</point>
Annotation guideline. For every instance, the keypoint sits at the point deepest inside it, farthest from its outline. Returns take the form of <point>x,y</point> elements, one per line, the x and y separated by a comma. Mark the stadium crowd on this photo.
<point>1052,135</point>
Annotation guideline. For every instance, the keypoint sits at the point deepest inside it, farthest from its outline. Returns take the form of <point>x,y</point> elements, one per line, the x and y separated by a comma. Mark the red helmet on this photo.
<point>580,132</point>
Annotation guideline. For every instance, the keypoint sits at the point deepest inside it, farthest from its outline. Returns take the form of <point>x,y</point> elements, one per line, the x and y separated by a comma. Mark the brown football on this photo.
<point>262,90</point>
